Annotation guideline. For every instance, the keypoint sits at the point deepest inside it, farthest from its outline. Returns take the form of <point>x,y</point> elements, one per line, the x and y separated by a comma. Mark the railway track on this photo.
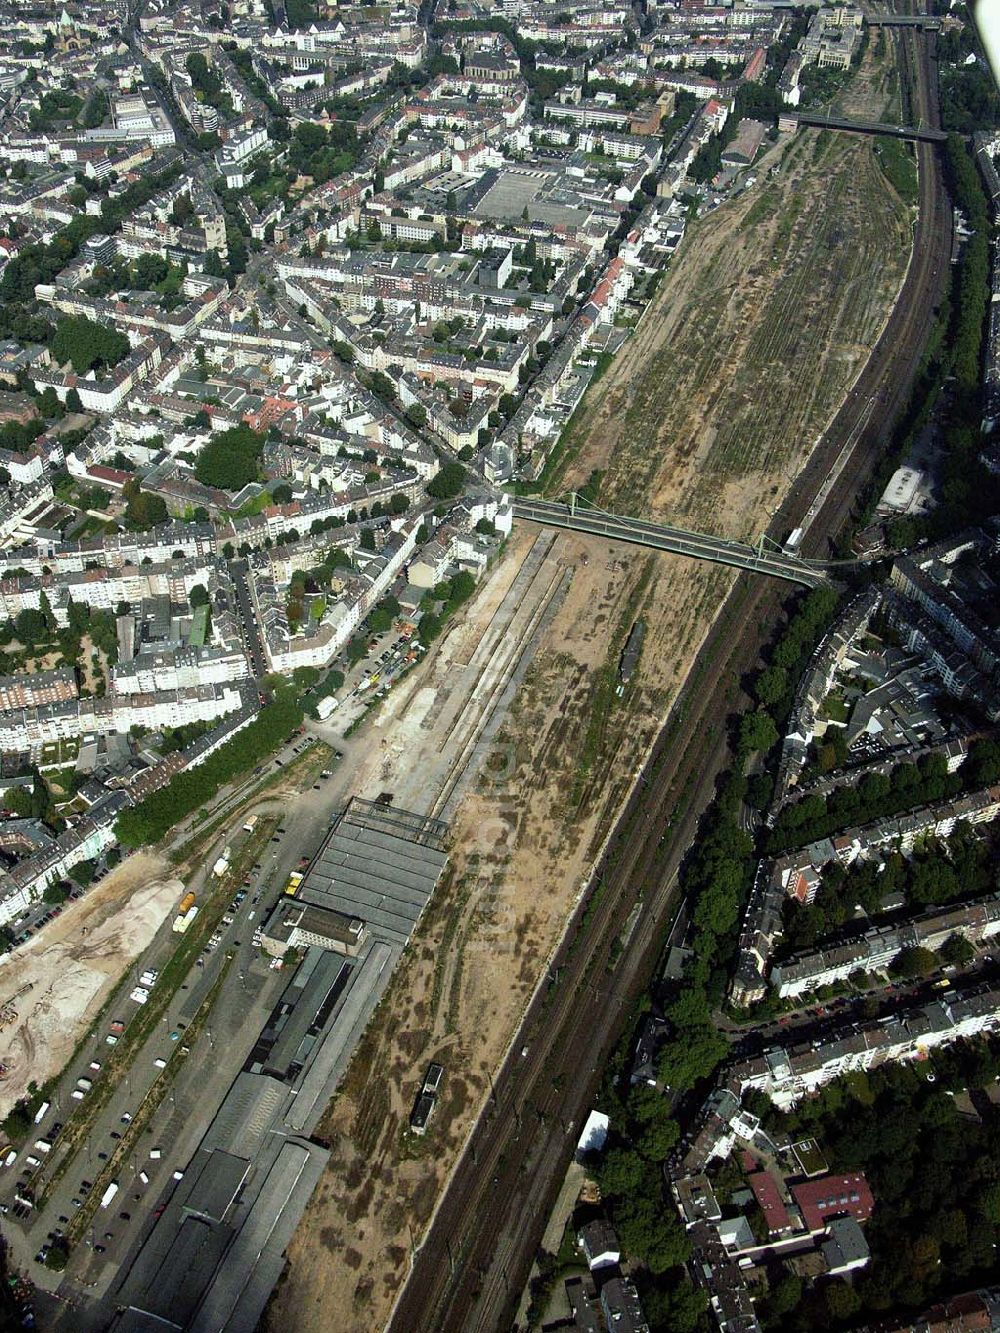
<point>469,1271</point>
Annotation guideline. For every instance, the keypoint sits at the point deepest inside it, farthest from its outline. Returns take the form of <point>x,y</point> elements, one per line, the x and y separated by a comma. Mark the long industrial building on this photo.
<point>217,1250</point>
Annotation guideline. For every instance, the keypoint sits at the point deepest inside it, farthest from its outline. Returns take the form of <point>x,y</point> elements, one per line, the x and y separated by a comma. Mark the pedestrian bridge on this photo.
<point>764,558</point>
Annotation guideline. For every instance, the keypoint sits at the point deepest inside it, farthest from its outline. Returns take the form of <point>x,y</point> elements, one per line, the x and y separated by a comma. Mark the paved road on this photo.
<point>471,1268</point>
<point>249,623</point>
<point>247,995</point>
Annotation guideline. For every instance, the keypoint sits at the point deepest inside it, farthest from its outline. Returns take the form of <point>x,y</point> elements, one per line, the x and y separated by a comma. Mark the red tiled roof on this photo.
<point>765,1191</point>
<point>833,1196</point>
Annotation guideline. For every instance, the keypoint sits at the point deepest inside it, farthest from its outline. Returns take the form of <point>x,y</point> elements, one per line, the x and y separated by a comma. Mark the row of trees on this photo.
<point>878,796</point>
<point>968,492</point>
<point>974,267</point>
<point>718,873</point>
<point>157,814</point>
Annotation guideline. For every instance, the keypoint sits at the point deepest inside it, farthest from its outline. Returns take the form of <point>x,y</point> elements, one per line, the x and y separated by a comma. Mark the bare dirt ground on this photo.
<point>90,672</point>
<point>754,337</point>
<point>873,93</point>
<point>525,840</point>
<point>707,412</point>
<point>42,662</point>
<point>73,965</point>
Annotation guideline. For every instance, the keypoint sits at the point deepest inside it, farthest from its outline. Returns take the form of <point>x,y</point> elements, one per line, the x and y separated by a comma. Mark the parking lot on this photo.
<point>170,1075</point>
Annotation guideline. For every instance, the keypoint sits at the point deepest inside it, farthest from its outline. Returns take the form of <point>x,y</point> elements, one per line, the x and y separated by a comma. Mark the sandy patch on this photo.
<point>73,964</point>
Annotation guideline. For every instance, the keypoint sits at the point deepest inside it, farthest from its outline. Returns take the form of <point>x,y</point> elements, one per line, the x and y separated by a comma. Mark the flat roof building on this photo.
<point>379,864</point>
<point>297,925</point>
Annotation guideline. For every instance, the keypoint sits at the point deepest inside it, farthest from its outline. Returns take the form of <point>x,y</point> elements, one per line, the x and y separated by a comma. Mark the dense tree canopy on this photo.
<point>144,511</point>
<point>86,344</point>
<point>231,459</point>
<point>321,153</point>
<point>933,1171</point>
<point>448,482</point>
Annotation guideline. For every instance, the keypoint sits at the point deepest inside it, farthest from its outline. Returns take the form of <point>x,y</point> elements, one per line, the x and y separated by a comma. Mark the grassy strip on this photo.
<point>602,697</point>
<point>898,167</point>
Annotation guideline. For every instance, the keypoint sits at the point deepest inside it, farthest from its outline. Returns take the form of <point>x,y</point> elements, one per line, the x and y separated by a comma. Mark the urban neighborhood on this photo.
<point>499,666</point>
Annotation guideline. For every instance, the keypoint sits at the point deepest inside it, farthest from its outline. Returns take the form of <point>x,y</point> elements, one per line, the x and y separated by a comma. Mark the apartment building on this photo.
<point>877,948</point>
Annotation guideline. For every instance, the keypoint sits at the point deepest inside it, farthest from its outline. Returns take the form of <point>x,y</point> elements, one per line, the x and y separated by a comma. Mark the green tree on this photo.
<point>621,1173</point>
<point>57,1255</point>
<point>988,1202</point>
<point>757,731</point>
<point>914,963</point>
<point>231,459</point>
<point>655,1130</point>
<point>45,606</point>
<point>842,1301</point>
<point>957,951</point>
<point>29,625</point>
<point>771,686</point>
<point>448,482</point>
<point>150,269</point>
<point>785,1295</point>
<point>691,1057</point>
<point>145,510</point>
<point>651,1232</point>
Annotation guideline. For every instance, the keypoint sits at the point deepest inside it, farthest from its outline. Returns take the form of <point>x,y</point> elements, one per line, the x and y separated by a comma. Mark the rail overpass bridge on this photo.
<point>928,22</point>
<point>759,559</point>
<point>918,133</point>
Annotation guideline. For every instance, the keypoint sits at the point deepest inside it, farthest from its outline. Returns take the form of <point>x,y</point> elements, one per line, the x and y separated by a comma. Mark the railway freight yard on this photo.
<point>314,1058</point>
<point>191,1039</point>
